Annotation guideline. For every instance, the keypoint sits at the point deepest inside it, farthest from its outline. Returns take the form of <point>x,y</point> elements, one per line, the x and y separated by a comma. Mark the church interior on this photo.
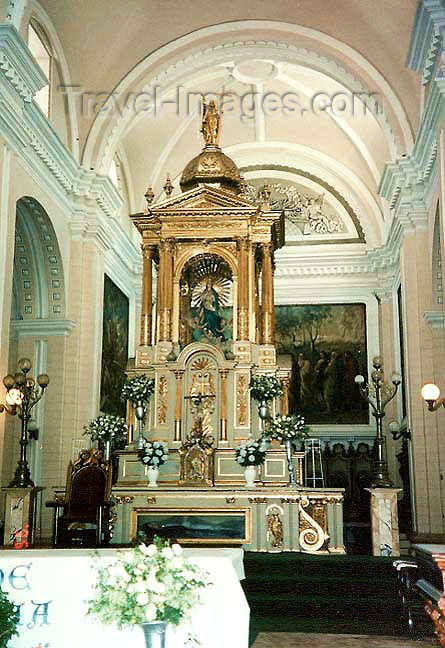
<point>222,319</point>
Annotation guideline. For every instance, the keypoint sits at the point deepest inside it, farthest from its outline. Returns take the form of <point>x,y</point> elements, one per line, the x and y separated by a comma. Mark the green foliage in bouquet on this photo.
<point>265,388</point>
<point>147,583</point>
<point>250,453</point>
<point>286,427</point>
<point>107,427</point>
<point>153,453</point>
<point>9,620</point>
<point>137,389</point>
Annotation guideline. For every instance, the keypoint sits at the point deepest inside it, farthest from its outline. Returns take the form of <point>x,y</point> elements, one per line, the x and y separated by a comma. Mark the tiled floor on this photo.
<point>288,640</point>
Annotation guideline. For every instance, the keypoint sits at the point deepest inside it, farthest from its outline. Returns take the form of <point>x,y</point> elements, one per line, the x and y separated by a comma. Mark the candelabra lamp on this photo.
<point>377,394</point>
<point>22,393</point>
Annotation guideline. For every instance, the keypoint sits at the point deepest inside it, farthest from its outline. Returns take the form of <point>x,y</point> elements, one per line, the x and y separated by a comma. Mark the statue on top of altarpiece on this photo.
<point>211,123</point>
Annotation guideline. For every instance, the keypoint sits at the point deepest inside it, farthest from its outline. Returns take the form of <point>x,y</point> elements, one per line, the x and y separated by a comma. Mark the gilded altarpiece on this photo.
<point>212,252</point>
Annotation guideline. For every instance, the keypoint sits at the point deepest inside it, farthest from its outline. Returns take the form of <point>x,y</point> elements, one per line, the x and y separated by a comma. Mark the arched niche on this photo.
<point>38,281</point>
<point>206,301</point>
<point>38,327</point>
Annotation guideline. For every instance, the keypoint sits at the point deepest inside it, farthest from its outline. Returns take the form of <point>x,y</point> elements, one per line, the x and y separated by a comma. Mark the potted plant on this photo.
<point>287,429</point>
<point>149,586</point>
<point>153,454</point>
<point>9,619</point>
<point>264,389</point>
<point>108,430</point>
<point>249,455</point>
<point>138,391</point>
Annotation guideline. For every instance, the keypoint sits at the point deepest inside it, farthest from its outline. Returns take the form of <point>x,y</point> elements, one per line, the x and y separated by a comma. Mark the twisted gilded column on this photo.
<point>223,406</point>
<point>243,289</point>
<point>267,305</point>
<point>147,295</point>
<point>179,373</point>
<point>165,288</point>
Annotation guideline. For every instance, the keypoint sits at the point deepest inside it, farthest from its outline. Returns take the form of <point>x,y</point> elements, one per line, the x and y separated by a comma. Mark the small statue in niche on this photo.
<point>275,530</point>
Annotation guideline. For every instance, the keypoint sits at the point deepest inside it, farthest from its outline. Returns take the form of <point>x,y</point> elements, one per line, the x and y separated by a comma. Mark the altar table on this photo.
<point>52,587</point>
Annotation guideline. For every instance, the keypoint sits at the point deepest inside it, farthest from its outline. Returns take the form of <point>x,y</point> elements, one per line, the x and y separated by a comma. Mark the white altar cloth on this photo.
<point>52,587</point>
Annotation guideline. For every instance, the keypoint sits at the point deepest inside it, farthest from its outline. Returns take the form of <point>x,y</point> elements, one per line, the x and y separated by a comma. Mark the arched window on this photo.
<point>41,51</point>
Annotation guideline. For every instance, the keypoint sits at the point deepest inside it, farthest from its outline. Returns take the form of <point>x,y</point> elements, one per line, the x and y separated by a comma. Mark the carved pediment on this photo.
<point>205,198</point>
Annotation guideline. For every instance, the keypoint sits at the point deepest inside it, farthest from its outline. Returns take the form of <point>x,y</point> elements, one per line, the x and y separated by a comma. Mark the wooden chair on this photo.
<point>81,518</point>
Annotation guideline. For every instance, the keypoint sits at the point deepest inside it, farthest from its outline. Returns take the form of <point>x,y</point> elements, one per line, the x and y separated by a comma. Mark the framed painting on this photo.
<point>194,526</point>
<point>114,348</point>
<point>327,343</point>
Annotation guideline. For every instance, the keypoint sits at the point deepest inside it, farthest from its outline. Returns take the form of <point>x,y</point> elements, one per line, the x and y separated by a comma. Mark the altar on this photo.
<point>258,519</point>
<point>203,341</point>
<point>51,589</point>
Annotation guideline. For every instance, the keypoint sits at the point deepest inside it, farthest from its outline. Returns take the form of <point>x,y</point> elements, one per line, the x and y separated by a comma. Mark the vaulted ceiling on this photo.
<point>307,48</point>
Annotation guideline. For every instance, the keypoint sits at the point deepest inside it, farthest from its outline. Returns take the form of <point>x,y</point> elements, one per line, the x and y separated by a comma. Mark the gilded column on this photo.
<point>179,373</point>
<point>147,295</point>
<point>267,306</point>
<point>165,288</point>
<point>223,406</point>
<point>243,289</point>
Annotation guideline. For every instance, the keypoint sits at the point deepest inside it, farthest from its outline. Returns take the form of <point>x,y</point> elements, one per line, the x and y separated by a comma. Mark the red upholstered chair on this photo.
<point>81,519</point>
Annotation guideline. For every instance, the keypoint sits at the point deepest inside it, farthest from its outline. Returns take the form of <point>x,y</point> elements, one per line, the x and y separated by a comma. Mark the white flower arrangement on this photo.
<point>265,388</point>
<point>107,427</point>
<point>147,583</point>
<point>153,453</point>
<point>250,453</point>
<point>286,427</point>
<point>138,389</point>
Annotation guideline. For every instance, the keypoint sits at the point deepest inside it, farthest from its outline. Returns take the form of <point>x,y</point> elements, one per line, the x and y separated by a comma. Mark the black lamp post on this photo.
<point>22,393</point>
<point>378,393</point>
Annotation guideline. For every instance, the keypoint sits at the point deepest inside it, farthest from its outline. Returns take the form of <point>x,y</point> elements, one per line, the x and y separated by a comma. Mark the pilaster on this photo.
<point>427,457</point>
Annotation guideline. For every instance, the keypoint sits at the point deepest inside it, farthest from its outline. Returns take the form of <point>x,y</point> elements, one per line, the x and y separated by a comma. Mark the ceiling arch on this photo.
<point>251,61</point>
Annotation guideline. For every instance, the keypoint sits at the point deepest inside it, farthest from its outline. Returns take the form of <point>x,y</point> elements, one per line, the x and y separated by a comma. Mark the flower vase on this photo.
<point>290,465</point>
<point>107,450</point>
<point>139,412</point>
<point>152,474</point>
<point>263,410</point>
<point>250,475</point>
<point>154,633</point>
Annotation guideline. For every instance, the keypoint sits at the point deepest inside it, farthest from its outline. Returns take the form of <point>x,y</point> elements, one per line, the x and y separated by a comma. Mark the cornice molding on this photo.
<point>41,328</point>
<point>426,39</point>
<point>409,178</point>
<point>18,64</point>
<point>435,319</point>
<point>32,135</point>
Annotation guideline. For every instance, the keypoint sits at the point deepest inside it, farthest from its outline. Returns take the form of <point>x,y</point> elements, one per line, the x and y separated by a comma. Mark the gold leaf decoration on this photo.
<point>162,395</point>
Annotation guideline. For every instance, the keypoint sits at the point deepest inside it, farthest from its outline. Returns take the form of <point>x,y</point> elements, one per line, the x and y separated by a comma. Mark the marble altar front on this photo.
<point>258,519</point>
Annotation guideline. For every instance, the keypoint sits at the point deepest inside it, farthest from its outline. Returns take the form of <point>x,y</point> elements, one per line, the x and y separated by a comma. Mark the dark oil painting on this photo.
<point>114,349</point>
<point>327,343</point>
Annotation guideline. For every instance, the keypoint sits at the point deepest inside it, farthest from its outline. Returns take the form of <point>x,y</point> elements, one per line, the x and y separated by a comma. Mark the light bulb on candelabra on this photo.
<point>14,397</point>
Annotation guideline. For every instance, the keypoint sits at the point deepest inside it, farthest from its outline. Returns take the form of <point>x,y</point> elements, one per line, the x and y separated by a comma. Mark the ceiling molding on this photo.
<point>427,38</point>
<point>107,130</point>
<point>417,169</point>
<point>18,64</point>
